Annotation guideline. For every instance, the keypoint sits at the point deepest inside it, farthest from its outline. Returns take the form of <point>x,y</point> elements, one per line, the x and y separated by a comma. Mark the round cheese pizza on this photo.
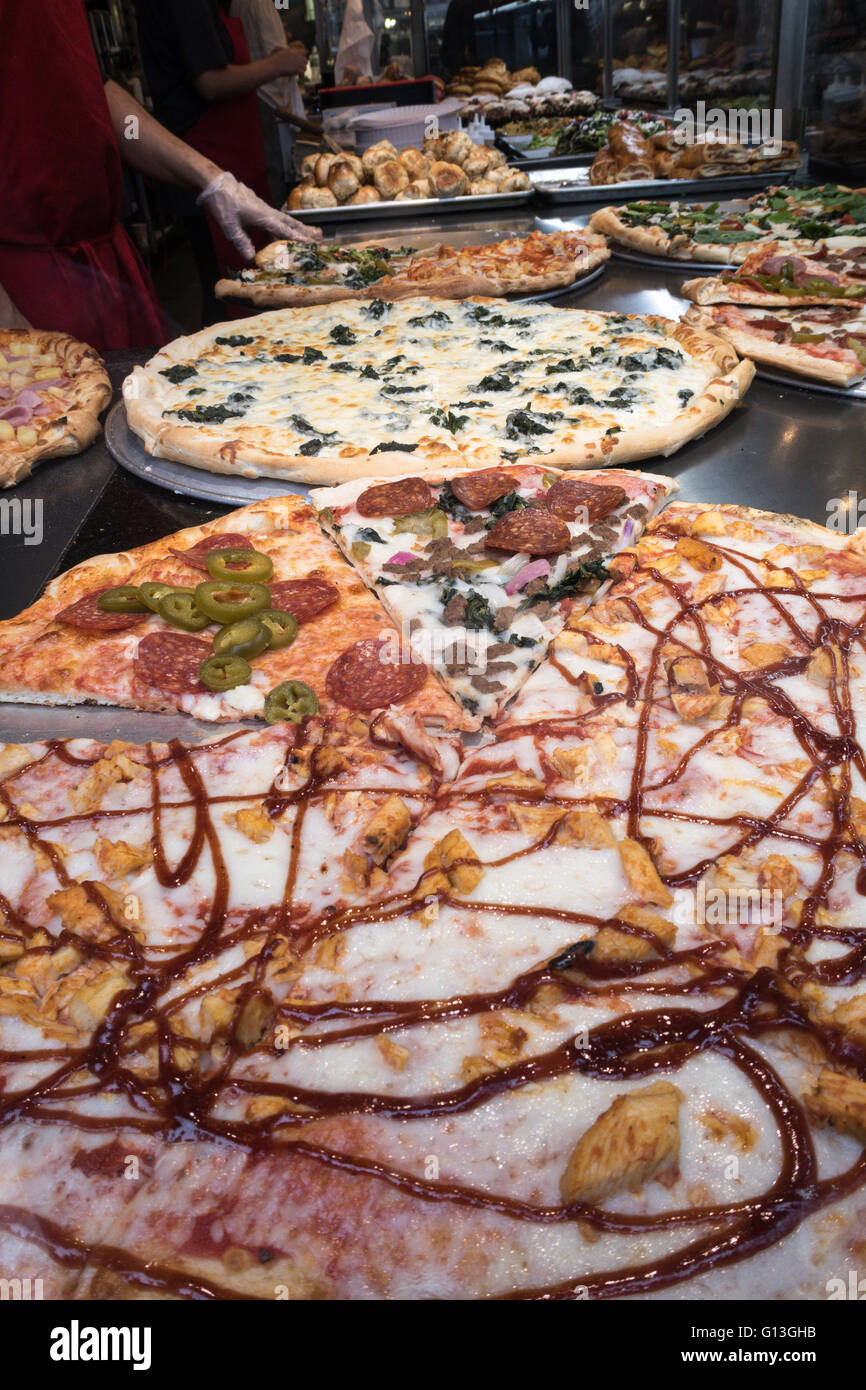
<point>52,391</point>
<point>341,391</point>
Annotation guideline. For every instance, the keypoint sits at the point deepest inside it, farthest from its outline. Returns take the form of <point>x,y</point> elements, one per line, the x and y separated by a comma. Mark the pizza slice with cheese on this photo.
<point>286,629</point>
<point>482,569</point>
<point>824,342</point>
<point>779,273</point>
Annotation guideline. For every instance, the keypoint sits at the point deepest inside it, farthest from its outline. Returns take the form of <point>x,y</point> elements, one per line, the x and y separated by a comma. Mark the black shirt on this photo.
<point>179,40</point>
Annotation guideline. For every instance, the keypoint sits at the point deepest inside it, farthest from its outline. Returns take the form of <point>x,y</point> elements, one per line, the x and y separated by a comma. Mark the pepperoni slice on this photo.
<point>227,540</point>
<point>400,498</point>
<point>533,529</point>
<point>87,615</point>
<point>477,490</point>
<point>305,598</point>
<point>170,660</point>
<point>573,499</point>
<point>366,676</point>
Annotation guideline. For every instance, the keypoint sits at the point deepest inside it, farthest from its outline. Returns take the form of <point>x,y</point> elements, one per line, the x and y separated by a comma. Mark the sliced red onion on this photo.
<point>627,531</point>
<point>402,557</point>
<point>536,569</point>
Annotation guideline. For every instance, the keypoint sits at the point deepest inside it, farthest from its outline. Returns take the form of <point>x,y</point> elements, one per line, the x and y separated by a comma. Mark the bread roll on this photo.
<point>456,146</point>
<point>342,181</point>
<point>376,155</point>
<point>355,165</point>
<point>414,162</point>
<point>366,194</point>
<point>390,178</point>
<point>515,182</point>
<point>432,146</point>
<point>476,164</point>
<point>496,159</point>
<point>480,186</point>
<point>313,197</point>
<point>293,202</point>
<point>447,180</point>
<point>308,167</point>
<point>323,168</point>
<point>418,188</point>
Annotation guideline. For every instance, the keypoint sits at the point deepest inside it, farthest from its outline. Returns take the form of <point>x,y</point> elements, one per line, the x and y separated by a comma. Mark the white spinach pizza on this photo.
<point>347,390</point>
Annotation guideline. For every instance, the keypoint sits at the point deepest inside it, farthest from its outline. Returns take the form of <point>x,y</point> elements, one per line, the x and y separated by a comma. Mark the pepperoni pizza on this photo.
<point>254,615</point>
<point>481,569</point>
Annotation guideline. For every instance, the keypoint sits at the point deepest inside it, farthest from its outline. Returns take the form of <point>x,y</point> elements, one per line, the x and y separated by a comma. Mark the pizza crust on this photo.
<point>785,355</point>
<point>717,289</point>
<point>653,241</point>
<point>70,433</point>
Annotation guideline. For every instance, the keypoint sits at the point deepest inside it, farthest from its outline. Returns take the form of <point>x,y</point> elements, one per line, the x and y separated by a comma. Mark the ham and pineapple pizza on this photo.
<point>482,569</point>
<point>351,390</point>
<point>295,273</point>
<point>252,616</point>
<point>52,392</point>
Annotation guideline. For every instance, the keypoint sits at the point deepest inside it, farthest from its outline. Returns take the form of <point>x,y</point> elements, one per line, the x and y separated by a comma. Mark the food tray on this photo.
<point>572,185</point>
<point>229,489</point>
<point>804,383</point>
<point>479,202</point>
<point>521,157</point>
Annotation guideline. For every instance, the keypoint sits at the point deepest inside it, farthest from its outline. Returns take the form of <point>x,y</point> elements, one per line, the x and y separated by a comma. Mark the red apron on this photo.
<point>64,258</point>
<point>230,134</point>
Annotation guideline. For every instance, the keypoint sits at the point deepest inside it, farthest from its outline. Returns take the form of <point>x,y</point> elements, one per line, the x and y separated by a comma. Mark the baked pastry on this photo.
<point>447,180</point>
<point>313,197</point>
<point>323,168</point>
<point>390,178</point>
<point>376,155</point>
<point>342,180</point>
<point>416,164</point>
<point>418,188</point>
<point>365,194</point>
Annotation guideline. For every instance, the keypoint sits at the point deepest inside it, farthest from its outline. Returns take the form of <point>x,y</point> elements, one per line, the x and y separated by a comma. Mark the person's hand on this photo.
<point>234,206</point>
<point>290,61</point>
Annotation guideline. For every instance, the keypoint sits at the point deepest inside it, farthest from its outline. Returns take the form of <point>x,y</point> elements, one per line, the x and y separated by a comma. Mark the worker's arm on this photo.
<point>236,79</point>
<point>147,146</point>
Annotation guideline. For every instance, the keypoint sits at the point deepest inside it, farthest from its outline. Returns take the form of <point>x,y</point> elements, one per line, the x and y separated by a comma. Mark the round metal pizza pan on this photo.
<point>624,253</point>
<point>805,383</point>
<point>226,488</point>
<point>577,287</point>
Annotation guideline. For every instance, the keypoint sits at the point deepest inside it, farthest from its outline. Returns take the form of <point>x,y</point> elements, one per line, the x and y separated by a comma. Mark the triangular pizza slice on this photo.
<point>129,629</point>
<point>482,569</point>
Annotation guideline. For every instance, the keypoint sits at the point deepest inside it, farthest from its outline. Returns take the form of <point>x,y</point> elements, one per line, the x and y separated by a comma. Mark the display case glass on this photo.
<point>835,88</point>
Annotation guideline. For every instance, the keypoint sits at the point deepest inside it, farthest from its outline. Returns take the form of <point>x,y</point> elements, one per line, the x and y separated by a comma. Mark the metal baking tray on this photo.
<point>805,383</point>
<point>573,186</point>
<point>481,202</point>
<point>227,488</point>
<point>20,723</point>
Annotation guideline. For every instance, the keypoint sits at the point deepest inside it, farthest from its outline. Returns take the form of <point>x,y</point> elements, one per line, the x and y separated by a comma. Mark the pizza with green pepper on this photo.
<point>776,274</point>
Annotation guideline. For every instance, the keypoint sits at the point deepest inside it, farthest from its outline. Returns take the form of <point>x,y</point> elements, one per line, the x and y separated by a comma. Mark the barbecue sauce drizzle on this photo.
<point>638,1044</point>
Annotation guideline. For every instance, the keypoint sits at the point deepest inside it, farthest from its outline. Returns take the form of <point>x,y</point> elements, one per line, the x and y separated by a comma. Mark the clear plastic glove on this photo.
<point>234,206</point>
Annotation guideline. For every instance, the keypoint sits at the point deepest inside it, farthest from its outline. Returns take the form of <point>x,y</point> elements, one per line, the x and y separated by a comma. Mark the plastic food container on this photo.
<point>405,125</point>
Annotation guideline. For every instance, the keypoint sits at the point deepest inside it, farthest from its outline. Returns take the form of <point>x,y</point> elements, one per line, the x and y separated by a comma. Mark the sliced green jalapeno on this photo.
<point>151,591</point>
<point>292,700</point>
<point>179,608</point>
<point>246,638</point>
<point>221,673</point>
<point>125,599</point>
<point>237,562</point>
<point>281,628</point>
<point>227,601</point>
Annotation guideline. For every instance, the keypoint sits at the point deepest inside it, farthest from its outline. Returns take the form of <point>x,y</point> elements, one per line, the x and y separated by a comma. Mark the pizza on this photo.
<point>481,569</point>
<point>373,1024</point>
<point>824,342</point>
<point>252,616</point>
<point>773,274</point>
<point>728,232</point>
<point>52,392</point>
<point>298,273</point>
<point>341,391</point>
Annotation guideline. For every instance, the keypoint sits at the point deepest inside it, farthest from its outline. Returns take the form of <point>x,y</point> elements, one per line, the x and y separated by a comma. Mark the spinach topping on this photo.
<point>478,613</point>
<point>496,346</point>
<point>685,395</point>
<point>436,319</point>
<point>341,367</point>
<point>308,356</point>
<point>474,405</point>
<point>342,334</point>
<point>312,447</point>
<point>390,444</point>
<point>178,374</point>
<point>499,380</point>
<point>207,414</point>
<point>511,502</point>
<point>392,390</point>
<point>234,340</point>
<point>303,426</point>
<point>576,580</point>
<point>376,308</point>
<point>446,419</point>
<point>450,504</point>
<point>370,372</point>
<point>481,314</point>
<point>519,423</point>
<point>651,358</point>
<point>368,534</point>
